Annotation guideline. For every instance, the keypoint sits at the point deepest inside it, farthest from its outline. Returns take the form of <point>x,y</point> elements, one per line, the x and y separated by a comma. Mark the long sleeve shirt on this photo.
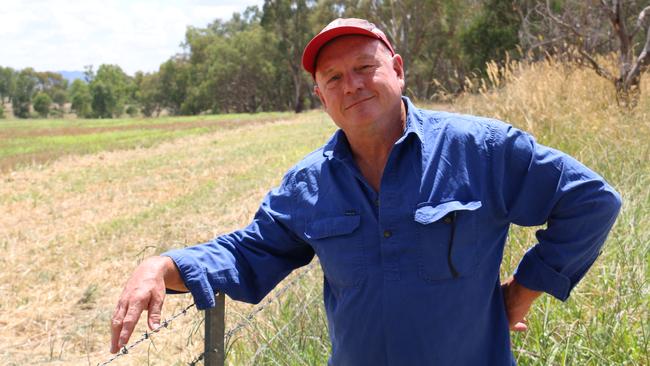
<point>412,271</point>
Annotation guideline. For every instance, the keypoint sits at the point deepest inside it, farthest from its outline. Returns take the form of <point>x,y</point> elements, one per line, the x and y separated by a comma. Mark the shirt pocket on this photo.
<point>338,245</point>
<point>447,239</point>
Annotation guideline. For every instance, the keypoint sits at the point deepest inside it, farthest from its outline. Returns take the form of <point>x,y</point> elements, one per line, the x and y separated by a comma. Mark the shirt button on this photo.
<point>388,234</point>
<point>377,203</point>
<point>447,220</point>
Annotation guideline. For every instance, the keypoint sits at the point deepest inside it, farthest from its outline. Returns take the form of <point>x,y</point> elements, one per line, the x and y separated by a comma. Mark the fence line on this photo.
<point>215,339</point>
<point>147,335</point>
<point>251,315</point>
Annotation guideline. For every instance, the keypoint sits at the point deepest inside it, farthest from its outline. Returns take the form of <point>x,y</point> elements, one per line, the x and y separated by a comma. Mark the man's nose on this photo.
<point>352,82</point>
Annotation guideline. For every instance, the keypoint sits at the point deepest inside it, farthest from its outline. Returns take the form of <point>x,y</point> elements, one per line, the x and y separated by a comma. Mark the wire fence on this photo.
<point>215,337</point>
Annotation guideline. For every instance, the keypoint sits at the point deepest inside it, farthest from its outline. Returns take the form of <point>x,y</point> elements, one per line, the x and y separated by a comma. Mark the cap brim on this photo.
<point>313,47</point>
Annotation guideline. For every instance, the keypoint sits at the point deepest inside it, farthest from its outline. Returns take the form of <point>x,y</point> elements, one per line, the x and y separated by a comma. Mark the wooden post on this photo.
<point>215,327</point>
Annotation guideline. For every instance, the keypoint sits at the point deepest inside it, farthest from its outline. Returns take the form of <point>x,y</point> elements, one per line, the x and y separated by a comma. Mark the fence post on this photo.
<point>215,327</point>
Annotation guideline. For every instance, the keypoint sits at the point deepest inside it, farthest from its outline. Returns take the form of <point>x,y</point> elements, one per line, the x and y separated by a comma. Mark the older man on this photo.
<point>408,212</point>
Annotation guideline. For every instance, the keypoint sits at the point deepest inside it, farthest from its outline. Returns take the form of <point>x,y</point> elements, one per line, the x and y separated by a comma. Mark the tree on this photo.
<point>596,28</point>
<point>42,103</point>
<point>149,93</point>
<point>491,34</point>
<point>80,98</point>
<point>174,83</point>
<point>25,87</point>
<point>7,83</point>
<point>426,33</point>
<point>109,91</point>
<point>289,20</point>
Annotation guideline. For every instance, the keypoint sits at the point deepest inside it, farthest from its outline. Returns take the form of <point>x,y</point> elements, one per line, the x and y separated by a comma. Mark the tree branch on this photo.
<point>639,22</point>
<point>641,63</point>
<point>559,21</point>
<point>594,65</point>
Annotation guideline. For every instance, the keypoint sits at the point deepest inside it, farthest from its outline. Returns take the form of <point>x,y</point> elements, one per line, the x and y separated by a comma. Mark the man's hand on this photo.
<point>145,290</point>
<point>518,300</point>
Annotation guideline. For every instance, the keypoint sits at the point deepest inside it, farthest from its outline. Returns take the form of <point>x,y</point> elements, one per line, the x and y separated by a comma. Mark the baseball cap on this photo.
<point>337,28</point>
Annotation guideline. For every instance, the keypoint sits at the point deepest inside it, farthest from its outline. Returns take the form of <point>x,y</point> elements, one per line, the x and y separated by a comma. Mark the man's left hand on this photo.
<point>518,300</point>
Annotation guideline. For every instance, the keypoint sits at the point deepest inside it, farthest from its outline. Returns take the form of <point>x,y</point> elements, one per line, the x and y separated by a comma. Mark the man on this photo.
<point>408,211</point>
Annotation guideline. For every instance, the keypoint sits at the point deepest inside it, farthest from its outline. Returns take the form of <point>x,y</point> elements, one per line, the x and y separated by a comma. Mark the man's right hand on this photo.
<point>145,290</point>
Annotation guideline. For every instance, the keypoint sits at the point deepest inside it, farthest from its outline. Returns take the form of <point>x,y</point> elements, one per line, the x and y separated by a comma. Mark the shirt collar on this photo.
<point>339,148</point>
<point>413,120</point>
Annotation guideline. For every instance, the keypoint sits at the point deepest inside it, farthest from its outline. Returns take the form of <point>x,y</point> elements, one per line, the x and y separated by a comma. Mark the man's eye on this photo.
<point>334,78</point>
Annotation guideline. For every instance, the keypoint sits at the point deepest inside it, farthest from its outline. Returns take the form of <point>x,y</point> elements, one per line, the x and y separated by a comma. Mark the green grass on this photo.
<point>42,141</point>
<point>56,124</point>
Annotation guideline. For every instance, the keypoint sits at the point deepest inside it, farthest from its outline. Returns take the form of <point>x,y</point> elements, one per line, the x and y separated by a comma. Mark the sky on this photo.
<point>137,35</point>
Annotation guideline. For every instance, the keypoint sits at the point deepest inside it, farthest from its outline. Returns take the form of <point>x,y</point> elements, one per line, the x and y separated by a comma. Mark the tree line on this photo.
<point>251,62</point>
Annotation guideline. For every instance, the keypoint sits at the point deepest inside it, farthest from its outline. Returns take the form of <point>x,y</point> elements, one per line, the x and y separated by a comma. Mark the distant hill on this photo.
<point>71,75</point>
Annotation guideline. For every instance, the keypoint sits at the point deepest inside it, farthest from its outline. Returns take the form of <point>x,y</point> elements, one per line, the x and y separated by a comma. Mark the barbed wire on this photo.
<point>241,324</point>
<point>147,335</point>
<point>250,316</point>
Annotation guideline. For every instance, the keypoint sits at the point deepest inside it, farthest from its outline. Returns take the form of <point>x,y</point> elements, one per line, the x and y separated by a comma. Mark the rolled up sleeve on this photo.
<point>536,185</point>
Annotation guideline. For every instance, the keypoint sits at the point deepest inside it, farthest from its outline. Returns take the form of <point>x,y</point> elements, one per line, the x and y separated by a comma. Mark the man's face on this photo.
<point>359,83</point>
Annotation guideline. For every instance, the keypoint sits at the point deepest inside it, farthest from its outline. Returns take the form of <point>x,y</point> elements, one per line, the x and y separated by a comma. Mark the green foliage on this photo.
<point>2,111</point>
<point>492,33</point>
<point>60,96</point>
<point>25,87</point>
<point>289,21</point>
<point>149,93</point>
<point>173,83</point>
<point>42,103</point>
<point>110,88</point>
<point>131,110</point>
<point>7,83</point>
<point>80,98</point>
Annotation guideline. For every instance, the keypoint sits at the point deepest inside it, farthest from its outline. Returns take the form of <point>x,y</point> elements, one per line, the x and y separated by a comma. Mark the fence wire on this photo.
<point>147,335</point>
<point>239,326</point>
<point>250,316</point>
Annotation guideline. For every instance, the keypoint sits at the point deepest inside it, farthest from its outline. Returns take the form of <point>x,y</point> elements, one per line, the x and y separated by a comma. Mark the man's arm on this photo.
<point>518,300</point>
<point>145,290</point>
<point>536,185</point>
<point>245,264</point>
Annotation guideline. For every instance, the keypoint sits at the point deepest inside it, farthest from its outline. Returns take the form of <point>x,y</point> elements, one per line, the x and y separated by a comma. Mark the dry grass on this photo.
<point>73,230</point>
<point>606,320</point>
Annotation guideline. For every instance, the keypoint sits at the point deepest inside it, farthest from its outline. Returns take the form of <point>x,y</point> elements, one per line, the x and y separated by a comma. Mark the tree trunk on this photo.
<point>298,105</point>
<point>628,92</point>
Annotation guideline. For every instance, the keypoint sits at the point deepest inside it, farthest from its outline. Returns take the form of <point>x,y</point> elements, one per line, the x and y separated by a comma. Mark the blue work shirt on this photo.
<point>412,272</point>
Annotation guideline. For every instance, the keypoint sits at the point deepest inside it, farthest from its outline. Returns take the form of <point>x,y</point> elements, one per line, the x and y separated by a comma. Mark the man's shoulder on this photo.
<point>461,124</point>
<point>456,127</point>
<point>310,165</point>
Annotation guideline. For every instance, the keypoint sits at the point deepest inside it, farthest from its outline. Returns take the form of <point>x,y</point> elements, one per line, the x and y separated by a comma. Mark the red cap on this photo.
<point>337,28</point>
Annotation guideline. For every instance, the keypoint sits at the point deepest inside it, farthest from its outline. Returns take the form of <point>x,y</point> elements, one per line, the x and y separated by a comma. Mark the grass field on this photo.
<point>82,202</point>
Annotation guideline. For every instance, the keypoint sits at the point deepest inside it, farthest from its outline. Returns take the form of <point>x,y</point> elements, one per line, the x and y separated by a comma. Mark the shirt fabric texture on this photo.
<point>412,272</point>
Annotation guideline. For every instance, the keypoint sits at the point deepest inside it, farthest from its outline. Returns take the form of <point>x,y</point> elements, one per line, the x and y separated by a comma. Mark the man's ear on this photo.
<point>398,67</point>
<point>320,96</point>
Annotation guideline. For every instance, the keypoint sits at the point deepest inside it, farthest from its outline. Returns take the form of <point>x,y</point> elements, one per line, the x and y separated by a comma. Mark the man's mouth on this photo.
<point>358,102</point>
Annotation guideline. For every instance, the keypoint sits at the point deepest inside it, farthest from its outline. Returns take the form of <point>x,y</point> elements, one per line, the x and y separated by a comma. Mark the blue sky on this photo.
<point>51,35</point>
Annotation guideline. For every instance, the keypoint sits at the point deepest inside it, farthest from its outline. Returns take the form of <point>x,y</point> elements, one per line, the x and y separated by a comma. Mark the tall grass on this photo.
<point>606,320</point>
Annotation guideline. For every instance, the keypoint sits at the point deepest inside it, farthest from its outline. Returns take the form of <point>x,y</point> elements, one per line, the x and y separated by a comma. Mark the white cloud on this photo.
<point>136,34</point>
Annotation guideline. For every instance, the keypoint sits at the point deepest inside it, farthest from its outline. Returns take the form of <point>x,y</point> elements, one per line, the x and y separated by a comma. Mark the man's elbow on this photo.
<point>611,203</point>
<point>616,202</point>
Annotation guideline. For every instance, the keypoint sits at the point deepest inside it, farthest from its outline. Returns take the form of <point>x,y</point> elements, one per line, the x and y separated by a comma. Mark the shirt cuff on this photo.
<point>194,277</point>
<point>536,275</point>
